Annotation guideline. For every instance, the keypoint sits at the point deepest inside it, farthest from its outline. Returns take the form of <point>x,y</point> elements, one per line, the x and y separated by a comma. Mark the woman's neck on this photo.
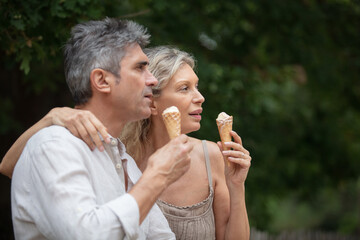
<point>157,138</point>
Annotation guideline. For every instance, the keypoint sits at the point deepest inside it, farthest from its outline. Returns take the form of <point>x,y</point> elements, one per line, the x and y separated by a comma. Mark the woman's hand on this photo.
<point>82,124</point>
<point>237,160</point>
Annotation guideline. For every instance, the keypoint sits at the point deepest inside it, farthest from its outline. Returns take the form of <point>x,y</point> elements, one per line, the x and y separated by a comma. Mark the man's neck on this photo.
<point>113,124</point>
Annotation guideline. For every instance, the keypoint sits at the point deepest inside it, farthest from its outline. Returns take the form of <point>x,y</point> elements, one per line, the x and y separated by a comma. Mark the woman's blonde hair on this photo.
<point>164,61</point>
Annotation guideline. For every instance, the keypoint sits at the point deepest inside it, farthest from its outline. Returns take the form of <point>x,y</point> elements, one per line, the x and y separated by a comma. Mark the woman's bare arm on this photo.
<point>231,217</point>
<point>82,124</point>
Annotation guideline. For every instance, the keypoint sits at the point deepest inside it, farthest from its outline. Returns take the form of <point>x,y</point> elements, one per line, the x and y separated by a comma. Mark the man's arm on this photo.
<point>164,167</point>
<point>82,124</point>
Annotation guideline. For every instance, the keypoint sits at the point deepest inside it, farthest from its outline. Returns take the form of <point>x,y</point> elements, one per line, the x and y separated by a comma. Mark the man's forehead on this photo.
<point>134,54</point>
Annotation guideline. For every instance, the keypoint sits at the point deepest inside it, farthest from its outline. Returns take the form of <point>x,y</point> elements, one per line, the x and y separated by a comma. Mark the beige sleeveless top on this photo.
<point>196,221</point>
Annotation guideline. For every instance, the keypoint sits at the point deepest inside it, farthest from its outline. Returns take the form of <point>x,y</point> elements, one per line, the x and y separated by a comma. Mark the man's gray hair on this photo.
<point>98,44</point>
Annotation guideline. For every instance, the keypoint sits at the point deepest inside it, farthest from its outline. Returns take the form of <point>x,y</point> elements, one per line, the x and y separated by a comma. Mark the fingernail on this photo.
<point>107,140</point>
<point>101,148</point>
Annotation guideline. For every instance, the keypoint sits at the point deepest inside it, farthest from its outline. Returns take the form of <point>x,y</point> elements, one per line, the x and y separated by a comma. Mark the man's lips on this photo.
<point>148,95</point>
<point>148,92</point>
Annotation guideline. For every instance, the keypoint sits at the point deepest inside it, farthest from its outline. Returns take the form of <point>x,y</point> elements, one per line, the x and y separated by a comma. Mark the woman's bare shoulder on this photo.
<point>198,149</point>
<point>212,147</point>
<point>195,141</point>
<point>214,150</point>
<point>216,158</point>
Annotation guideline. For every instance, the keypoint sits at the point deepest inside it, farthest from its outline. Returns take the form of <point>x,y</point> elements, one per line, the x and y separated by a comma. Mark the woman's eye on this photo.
<point>184,88</point>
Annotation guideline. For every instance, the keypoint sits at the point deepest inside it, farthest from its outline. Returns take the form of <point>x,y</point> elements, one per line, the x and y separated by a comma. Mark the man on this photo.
<point>63,190</point>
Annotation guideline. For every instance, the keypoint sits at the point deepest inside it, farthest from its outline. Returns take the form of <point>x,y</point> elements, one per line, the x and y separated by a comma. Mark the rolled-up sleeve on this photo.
<point>156,225</point>
<point>128,216</point>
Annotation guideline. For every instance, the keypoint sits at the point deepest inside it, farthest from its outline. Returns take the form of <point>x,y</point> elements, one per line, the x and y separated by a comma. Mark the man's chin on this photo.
<point>143,115</point>
<point>147,115</point>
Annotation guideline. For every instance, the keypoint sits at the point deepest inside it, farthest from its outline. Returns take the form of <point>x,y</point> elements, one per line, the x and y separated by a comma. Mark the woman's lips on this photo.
<point>196,114</point>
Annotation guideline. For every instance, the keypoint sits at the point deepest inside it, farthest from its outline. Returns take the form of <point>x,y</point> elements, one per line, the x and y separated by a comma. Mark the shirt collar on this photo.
<point>115,142</point>
<point>134,172</point>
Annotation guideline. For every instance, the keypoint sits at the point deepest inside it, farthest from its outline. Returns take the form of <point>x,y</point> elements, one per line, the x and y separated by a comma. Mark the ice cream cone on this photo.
<point>224,123</point>
<point>172,120</point>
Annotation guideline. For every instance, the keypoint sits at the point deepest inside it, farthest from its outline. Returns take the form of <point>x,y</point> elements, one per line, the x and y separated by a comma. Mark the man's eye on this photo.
<point>141,67</point>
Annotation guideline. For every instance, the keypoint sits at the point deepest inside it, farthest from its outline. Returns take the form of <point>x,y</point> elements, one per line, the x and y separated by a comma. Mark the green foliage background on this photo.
<point>288,71</point>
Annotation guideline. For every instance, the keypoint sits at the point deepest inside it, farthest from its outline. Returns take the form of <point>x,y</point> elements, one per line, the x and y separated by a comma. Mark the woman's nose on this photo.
<point>198,98</point>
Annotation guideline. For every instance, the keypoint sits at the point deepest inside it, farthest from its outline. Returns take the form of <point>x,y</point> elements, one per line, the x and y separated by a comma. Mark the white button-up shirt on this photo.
<point>63,190</point>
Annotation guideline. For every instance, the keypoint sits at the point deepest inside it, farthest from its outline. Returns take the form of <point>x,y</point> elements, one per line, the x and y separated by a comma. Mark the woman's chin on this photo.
<point>190,130</point>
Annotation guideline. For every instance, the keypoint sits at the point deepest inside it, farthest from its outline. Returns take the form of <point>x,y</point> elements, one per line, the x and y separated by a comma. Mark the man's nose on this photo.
<point>150,79</point>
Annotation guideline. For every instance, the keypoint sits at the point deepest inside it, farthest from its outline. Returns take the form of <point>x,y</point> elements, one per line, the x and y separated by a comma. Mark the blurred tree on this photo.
<point>288,71</point>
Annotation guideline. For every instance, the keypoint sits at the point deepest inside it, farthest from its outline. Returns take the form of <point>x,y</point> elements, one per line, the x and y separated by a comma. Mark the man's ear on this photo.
<point>99,80</point>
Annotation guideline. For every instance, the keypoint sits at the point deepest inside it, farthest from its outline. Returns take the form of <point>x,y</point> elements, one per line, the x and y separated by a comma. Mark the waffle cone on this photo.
<point>172,123</point>
<point>225,127</point>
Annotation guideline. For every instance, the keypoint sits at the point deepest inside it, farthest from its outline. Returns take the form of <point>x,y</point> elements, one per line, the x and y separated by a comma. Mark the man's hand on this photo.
<point>172,160</point>
<point>164,167</point>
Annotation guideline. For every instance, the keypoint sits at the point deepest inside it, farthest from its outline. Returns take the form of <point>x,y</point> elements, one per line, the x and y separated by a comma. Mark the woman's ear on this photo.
<point>153,107</point>
<point>99,80</point>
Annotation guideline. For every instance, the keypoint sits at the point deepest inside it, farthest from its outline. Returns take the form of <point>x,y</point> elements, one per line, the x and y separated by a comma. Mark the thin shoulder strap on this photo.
<point>207,162</point>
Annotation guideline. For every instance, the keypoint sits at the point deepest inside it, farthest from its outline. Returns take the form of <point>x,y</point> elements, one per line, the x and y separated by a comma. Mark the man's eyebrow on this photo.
<point>143,63</point>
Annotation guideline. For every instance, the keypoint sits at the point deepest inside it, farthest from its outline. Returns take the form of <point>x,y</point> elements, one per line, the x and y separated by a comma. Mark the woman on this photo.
<point>203,204</point>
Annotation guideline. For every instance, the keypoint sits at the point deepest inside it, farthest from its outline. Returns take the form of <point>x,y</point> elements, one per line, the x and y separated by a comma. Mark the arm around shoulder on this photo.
<point>80,123</point>
<point>10,159</point>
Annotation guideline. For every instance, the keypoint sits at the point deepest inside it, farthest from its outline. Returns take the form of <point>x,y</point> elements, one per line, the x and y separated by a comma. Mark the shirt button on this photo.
<point>118,165</point>
<point>113,142</point>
